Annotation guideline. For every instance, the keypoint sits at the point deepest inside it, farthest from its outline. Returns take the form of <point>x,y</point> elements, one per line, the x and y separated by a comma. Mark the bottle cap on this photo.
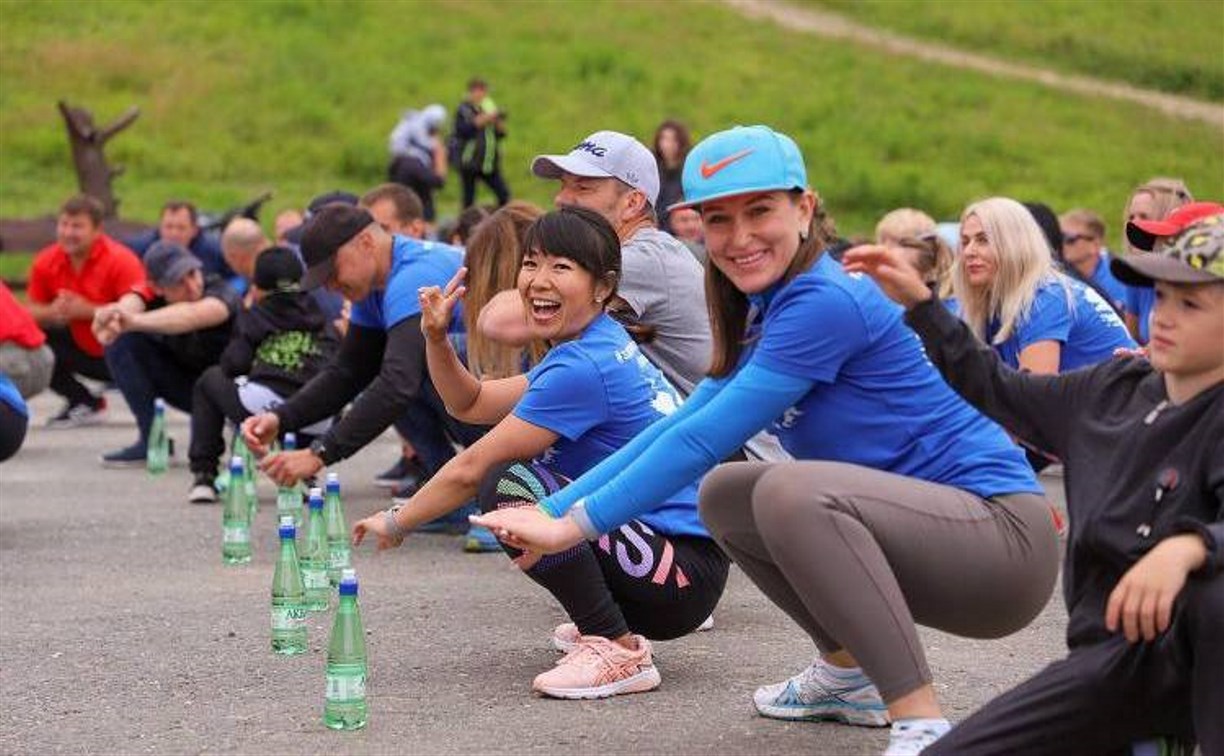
<point>290,442</point>
<point>235,465</point>
<point>316,498</point>
<point>287,528</point>
<point>348,582</point>
<point>333,482</point>
<point>159,405</point>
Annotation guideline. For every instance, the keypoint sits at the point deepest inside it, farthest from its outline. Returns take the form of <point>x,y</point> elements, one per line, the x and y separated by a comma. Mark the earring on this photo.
<point>803,235</point>
<point>598,300</point>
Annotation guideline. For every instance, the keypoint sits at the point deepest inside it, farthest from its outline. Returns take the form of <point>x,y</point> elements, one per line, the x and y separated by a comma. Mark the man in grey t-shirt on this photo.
<point>661,294</point>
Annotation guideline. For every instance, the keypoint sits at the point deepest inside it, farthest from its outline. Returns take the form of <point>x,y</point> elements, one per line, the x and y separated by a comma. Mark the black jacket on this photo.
<point>1137,468</point>
<point>281,342</point>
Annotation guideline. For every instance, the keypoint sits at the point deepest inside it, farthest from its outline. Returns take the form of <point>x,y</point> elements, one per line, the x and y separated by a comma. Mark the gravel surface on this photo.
<point>122,632</point>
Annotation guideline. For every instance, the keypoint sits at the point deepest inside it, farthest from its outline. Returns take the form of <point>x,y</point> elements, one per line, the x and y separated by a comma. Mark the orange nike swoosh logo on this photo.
<point>709,169</point>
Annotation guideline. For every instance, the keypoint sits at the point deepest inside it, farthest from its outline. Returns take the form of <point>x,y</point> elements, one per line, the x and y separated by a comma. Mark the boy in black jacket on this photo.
<point>278,345</point>
<point>1142,443</point>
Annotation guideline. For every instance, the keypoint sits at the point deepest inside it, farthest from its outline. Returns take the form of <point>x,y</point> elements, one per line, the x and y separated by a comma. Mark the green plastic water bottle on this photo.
<point>314,556</point>
<point>337,530</point>
<point>247,481</point>
<point>345,701</point>
<point>288,595</point>
<point>235,520</point>
<point>289,498</point>
<point>157,454</point>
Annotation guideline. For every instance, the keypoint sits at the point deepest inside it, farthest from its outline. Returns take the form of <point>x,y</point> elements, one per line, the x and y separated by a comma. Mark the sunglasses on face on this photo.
<point>1073,238</point>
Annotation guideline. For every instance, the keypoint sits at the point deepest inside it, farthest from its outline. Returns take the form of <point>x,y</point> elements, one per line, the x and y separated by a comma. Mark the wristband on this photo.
<point>395,529</point>
<point>579,515</point>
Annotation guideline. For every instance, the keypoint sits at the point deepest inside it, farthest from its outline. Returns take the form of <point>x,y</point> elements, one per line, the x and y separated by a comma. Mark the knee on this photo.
<point>788,492</point>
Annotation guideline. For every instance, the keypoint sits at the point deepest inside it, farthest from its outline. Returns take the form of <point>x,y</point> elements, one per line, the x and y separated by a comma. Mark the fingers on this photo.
<point>359,532</point>
<point>1130,616</point>
<point>455,285</point>
<point>1147,615</point>
<point>1113,608</point>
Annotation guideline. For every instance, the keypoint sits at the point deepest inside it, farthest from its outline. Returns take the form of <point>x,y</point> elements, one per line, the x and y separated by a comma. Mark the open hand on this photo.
<point>529,529</point>
<point>891,271</point>
<point>438,306</point>
<point>1142,602</point>
<point>376,524</point>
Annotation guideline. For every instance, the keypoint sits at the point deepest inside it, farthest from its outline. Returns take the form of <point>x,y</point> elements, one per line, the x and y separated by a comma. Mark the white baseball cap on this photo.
<point>606,154</point>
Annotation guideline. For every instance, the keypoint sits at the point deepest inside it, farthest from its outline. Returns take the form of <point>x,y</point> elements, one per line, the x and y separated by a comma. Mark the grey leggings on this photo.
<point>856,556</point>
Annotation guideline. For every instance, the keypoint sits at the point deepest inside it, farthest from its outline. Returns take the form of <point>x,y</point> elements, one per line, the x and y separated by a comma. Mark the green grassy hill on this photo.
<point>1169,45</point>
<point>299,97</point>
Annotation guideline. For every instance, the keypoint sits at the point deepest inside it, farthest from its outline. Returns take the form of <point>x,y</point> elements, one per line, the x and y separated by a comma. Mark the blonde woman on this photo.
<point>492,256</point>
<point>916,235</point>
<point>1150,201</point>
<point>1012,298</point>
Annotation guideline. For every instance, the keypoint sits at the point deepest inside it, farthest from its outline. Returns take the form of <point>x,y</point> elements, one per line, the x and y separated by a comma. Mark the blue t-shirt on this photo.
<point>11,396</point>
<point>1104,278</point>
<point>876,401</point>
<point>1139,302</point>
<point>1086,327</point>
<point>597,392</point>
<point>414,264</point>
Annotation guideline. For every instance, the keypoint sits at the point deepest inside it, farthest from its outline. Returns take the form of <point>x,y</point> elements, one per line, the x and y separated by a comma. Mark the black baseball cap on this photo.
<point>166,263</point>
<point>337,196</point>
<point>279,269</point>
<point>331,228</point>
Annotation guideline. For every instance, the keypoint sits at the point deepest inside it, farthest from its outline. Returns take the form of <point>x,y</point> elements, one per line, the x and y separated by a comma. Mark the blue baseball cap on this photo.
<point>741,160</point>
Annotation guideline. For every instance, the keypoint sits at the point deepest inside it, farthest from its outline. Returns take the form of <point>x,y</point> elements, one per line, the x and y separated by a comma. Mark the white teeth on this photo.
<point>749,259</point>
<point>543,303</point>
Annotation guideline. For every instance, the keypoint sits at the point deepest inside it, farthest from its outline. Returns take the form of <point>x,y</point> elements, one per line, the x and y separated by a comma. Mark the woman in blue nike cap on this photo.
<point>904,505</point>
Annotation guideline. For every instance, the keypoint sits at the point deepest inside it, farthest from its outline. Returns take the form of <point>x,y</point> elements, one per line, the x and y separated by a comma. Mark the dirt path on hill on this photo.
<point>834,26</point>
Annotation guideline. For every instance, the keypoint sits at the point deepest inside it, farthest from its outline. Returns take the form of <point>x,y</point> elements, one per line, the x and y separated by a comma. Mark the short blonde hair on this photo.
<point>1024,263</point>
<point>1086,218</point>
<point>903,223</point>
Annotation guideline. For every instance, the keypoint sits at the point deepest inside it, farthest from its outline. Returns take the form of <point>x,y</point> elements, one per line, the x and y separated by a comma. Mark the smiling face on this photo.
<point>616,201</point>
<point>752,238</point>
<point>978,256</point>
<point>558,295</point>
<point>1187,328</point>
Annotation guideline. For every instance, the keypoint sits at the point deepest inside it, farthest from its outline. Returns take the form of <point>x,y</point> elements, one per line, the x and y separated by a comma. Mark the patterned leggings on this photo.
<point>630,580</point>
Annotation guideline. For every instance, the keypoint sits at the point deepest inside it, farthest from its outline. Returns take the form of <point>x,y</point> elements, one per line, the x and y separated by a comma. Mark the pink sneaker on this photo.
<point>599,668</point>
<point>565,637</point>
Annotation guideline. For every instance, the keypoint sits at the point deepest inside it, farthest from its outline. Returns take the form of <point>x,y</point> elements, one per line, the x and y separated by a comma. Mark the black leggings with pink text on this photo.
<point>630,580</point>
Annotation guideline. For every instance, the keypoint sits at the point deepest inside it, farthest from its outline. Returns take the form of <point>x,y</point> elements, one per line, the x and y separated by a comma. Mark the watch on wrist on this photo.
<point>319,448</point>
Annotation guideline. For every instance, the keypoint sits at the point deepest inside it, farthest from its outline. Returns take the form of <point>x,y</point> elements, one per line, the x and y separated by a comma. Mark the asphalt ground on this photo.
<point>121,631</point>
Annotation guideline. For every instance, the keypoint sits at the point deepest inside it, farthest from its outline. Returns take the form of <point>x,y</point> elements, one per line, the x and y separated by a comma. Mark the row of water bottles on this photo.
<point>302,583</point>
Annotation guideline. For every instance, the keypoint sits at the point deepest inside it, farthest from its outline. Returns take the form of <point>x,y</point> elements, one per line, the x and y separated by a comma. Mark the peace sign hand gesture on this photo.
<point>437,306</point>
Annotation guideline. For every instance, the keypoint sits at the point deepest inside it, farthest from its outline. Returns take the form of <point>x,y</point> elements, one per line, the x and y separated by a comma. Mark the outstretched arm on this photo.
<point>1040,409</point>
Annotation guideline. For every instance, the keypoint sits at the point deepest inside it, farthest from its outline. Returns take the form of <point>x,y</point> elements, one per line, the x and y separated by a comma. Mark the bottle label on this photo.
<point>236,534</point>
<point>314,579</point>
<point>345,688</point>
<point>288,617</point>
<point>337,557</point>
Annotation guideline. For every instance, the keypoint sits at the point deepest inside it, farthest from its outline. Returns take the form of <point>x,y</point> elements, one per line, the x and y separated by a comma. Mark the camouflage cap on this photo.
<point>1196,255</point>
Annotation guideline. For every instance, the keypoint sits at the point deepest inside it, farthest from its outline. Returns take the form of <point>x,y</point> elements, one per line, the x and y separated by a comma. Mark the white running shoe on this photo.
<point>816,694</point>
<point>909,738</point>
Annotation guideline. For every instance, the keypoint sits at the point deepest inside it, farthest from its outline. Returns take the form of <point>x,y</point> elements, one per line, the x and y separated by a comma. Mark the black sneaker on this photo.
<point>203,490</point>
<point>79,415</point>
<point>403,473</point>
<point>130,456</point>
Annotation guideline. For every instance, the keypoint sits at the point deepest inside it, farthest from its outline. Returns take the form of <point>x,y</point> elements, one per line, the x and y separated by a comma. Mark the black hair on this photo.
<point>581,235</point>
<point>1050,227</point>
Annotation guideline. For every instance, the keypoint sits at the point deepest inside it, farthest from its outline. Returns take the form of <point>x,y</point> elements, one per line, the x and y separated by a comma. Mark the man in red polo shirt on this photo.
<point>68,281</point>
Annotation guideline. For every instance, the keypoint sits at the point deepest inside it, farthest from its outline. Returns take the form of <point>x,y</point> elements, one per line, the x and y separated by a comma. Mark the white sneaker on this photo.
<point>707,625</point>
<point>815,694</point>
<point>910,737</point>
